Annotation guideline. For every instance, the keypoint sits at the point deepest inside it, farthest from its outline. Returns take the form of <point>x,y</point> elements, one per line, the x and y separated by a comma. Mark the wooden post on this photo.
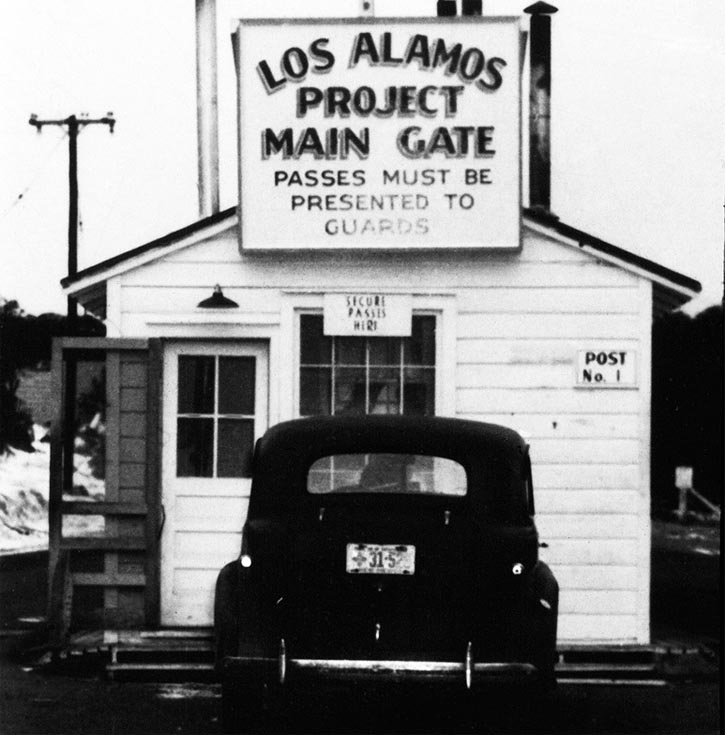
<point>683,482</point>
<point>154,519</point>
<point>55,489</point>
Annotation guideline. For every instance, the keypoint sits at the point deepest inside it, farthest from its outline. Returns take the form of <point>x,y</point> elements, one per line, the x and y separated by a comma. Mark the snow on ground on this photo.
<point>24,479</point>
<point>24,497</point>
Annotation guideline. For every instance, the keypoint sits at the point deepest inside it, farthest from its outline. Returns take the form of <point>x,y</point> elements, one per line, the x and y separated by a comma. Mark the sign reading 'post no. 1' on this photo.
<point>379,133</point>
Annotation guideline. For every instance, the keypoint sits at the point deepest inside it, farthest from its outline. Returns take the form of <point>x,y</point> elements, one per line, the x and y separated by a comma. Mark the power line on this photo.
<point>34,177</point>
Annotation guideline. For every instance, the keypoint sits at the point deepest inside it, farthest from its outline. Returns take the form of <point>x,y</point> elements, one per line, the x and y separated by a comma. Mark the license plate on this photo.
<point>380,559</point>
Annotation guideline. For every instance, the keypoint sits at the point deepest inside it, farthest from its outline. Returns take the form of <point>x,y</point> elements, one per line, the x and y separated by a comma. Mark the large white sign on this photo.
<point>379,133</point>
<point>368,314</point>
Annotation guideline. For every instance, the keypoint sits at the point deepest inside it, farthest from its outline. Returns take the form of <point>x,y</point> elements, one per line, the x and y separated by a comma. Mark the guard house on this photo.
<point>380,261</point>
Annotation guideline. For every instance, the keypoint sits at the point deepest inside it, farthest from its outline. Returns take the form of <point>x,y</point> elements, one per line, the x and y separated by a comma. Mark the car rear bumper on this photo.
<point>467,672</point>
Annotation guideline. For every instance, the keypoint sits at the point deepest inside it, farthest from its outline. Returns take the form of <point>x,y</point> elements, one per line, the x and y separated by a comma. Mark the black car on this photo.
<point>385,549</point>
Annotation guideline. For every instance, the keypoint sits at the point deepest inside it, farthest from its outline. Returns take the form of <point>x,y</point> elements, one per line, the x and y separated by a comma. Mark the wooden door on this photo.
<point>215,408</point>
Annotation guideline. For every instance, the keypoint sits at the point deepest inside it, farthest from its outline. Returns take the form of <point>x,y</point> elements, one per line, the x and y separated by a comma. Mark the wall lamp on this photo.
<point>217,301</point>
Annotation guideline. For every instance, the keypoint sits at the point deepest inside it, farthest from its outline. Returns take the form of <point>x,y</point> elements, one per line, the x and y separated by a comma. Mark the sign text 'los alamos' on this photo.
<point>379,134</point>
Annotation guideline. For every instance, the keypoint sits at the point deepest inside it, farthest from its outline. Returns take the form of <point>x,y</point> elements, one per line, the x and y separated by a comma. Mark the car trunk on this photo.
<point>461,588</point>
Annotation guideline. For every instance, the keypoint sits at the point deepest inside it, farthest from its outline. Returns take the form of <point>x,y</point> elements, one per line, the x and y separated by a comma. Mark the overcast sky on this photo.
<point>637,126</point>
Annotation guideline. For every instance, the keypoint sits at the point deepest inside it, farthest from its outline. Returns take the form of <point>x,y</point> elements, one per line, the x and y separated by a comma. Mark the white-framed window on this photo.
<point>215,413</point>
<point>367,375</point>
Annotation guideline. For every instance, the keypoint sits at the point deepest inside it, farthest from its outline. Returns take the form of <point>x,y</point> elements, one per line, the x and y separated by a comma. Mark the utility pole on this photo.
<point>74,125</point>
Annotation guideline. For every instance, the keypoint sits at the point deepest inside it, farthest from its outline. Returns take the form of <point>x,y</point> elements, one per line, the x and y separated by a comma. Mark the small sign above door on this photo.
<point>368,315</point>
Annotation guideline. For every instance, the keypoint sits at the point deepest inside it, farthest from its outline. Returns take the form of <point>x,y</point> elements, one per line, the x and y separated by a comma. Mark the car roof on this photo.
<point>324,435</point>
<point>492,455</point>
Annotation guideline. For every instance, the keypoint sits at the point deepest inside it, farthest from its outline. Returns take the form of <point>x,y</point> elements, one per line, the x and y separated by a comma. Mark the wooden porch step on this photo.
<point>179,654</point>
<point>157,671</point>
<point>174,649</point>
<point>588,667</point>
<point>608,672</point>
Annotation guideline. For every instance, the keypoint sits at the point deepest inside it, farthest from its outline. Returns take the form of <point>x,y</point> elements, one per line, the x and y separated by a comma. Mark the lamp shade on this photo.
<point>217,301</point>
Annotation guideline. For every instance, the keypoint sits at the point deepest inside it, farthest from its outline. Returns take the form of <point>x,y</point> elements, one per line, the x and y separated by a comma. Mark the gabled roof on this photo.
<point>102,270</point>
<point>672,289</point>
<point>589,241</point>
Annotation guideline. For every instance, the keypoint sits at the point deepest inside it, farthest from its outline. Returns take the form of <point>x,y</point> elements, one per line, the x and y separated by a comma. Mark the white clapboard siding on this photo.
<point>291,273</point>
<point>592,426</point>
<point>224,248</point>
<point>471,300</point>
<point>151,324</point>
<point>555,526</point>
<point>550,401</point>
<point>597,628</point>
<point>591,577</point>
<point>596,451</point>
<point>578,326</point>
<point>513,376</point>
<point>573,501</point>
<point>586,477</point>
<point>597,300</point>
<point>537,350</point>
<point>175,299</point>
<point>612,602</point>
<point>617,551</point>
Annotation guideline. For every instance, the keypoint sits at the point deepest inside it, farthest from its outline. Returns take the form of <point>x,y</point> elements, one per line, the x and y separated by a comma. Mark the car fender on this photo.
<point>543,605</point>
<point>226,611</point>
<point>544,586</point>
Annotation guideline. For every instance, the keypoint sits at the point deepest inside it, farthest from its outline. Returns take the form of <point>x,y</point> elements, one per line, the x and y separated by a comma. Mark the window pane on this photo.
<point>194,447</point>
<point>89,442</point>
<point>387,473</point>
<point>315,348</point>
<point>350,351</point>
<point>384,351</point>
<point>420,347</point>
<point>315,389</point>
<point>320,477</point>
<point>350,391</point>
<point>234,449</point>
<point>384,391</point>
<point>418,392</point>
<point>236,385</point>
<point>196,384</point>
<point>339,471</point>
<point>379,389</point>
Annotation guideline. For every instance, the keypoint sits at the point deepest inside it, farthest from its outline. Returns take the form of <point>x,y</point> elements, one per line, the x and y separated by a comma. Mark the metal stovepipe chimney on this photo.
<point>540,106</point>
<point>207,119</point>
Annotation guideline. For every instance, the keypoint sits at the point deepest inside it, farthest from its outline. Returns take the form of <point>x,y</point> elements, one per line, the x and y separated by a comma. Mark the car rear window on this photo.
<point>412,474</point>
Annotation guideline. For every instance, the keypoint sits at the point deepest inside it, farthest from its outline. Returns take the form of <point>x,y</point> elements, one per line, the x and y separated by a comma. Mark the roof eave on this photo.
<point>682,287</point>
<point>105,269</point>
<point>679,289</point>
